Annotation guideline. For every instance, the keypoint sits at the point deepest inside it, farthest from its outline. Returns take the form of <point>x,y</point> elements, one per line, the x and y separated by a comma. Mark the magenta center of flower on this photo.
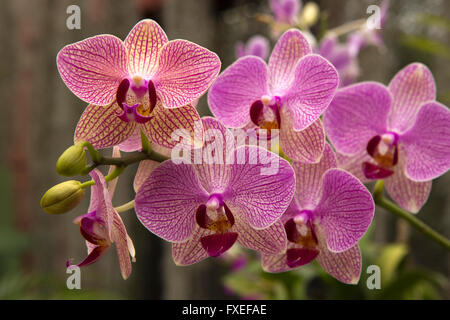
<point>384,151</point>
<point>300,230</point>
<point>216,217</point>
<point>142,95</point>
<point>265,112</point>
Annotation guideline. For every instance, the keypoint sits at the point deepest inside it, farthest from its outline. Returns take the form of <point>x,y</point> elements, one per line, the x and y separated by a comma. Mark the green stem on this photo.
<point>125,207</point>
<point>381,201</point>
<point>122,163</point>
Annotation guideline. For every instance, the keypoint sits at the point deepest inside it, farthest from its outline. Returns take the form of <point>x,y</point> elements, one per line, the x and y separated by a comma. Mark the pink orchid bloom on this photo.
<point>330,212</point>
<point>290,94</point>
<point>136,80</point>
<point>398,133</point>
<point>203,209</point>
<point>285,11</point>
<point>103,226</point>
<point>256,46</point>
<point>146,67</point>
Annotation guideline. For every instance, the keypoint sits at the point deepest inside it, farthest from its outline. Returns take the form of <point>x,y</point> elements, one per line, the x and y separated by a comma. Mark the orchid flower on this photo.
<point>285,11</point>
<point>136,80</point>
<point>256,46</point>
<point>340,56</point>
<point>398,133</point>
<point>103,226</point>
<point>330,212</point>
<point>203,209</point>
<point>289,94</point>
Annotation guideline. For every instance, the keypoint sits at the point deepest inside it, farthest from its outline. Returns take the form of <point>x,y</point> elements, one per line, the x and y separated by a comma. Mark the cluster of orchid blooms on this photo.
<point>141,96</point>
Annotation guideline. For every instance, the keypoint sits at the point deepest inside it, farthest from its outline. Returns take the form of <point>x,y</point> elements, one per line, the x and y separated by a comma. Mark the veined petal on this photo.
<point>100,200</point>
<point>309,179</point>
<point>354,164</point>
<point>408,194</point>
<point>345,210</point>
<point>165,122</point>
<point>145,168</point>
<point>410,88</point>
<point>356,114</point>
<point>312,90</point>
<point>214,170</point>
<point>303,146</point>
<point>93,68</point>
<point>185,72</point>
<point>120,238</point>
<point>167,201</point>
<point>143,44</point>
<point>289,49</point>
<point>427,143</point>
<point>191,251</point>
<point>258,193</point>
<point>101,127</point>
<point>235,90</point>
<point>133,142</point>
<point>345,266</point>
<point>271,240</point>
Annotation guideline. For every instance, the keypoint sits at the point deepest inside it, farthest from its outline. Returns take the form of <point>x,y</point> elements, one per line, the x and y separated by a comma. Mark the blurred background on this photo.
<point>39,115</point>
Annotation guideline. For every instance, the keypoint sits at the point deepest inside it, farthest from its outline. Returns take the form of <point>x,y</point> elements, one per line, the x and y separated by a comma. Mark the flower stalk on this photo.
<point>426,230</point>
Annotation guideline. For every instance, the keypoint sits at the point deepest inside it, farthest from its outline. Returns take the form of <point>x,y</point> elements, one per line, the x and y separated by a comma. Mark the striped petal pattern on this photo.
<point>93,68</point>
<point>185,72</point>
<point>142,45</point>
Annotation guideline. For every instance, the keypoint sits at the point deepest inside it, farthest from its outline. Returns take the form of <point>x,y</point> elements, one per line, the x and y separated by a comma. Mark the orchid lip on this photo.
<point>131,114</point>
<point>375,172</point>
<point>300,230</point>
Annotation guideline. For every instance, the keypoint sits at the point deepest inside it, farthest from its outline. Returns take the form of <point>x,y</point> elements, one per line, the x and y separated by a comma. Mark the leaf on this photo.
<point>389,260</point>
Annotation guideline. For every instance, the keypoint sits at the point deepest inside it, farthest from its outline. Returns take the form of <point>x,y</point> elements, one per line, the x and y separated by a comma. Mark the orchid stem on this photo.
<point>346,28</point>
<point>122,163</point>
<point>125,207</point>
<point>381,201</point>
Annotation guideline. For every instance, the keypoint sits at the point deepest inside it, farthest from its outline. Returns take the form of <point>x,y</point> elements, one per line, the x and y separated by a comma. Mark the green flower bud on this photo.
<point>63,197</point>
<point>72,161</point>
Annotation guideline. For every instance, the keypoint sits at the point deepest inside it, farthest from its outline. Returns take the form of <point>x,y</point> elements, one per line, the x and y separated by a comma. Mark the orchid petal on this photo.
<point>145,168</point>
<point>166,122</point>
<point>356,114</point>
<point>344,266</point>
<point>260,197</point>
<point>120,238</point>
<point>312,90</point>
<point>410,88</point>
<point>191,251</point>
<point>236,89</point>
<point>427,143</point>
<point>214,171</point>
<point>309,179</point>
<point>304,146</point>
<point>143,44</point>
<point>167,201</point>
<point>93,256</point>
<point>345,209</point>
<point>113,183</point>
<point>408,194</point>
<point>354,164</point>
<point>289,49</point>
<point>271,240</point>
<point>93,68</point>
<point>101,127</point>
<point>133,142</point>
<point>185,72</point>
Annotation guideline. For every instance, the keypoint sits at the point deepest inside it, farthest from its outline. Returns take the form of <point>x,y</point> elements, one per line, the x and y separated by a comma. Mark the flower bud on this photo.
<point>63,197</point>
<point>310,14</point>
<point>72,161</point>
